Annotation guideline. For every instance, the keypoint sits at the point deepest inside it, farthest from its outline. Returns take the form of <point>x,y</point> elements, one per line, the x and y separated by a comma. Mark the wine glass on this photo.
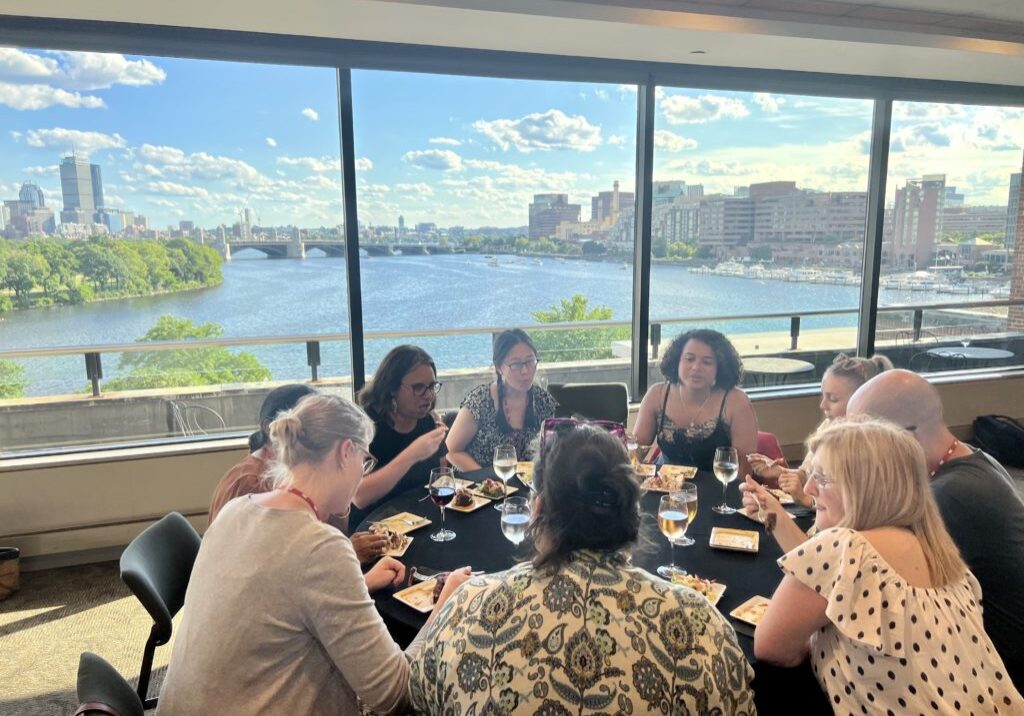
<point>504,466</point>
<point>965,342</point>
<point>673,519</point>
<point>442,490</point>
<point>633,448</point>
<point>689,496</point>
<point>727,469</point>
<point>515,518</point>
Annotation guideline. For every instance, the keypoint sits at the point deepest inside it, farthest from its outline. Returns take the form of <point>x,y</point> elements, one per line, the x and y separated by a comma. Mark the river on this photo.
<point>262,297</point>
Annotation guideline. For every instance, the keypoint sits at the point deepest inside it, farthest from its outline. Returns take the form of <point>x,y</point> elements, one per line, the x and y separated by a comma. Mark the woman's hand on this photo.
<point>455,580</point>
<point>387,572</point>
<point>766,468</point>
<point>758,501</point>
<point>427,444</point>
<point>368,546</point>
<point>791,482</point>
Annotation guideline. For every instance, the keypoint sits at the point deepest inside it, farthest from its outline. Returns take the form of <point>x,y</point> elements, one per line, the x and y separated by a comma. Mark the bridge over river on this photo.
<point>290,249</point>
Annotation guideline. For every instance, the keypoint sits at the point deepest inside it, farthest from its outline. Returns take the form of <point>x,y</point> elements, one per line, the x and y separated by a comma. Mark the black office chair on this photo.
<point>156,567</point>
<point>101,690</point>
<point>597,401</point>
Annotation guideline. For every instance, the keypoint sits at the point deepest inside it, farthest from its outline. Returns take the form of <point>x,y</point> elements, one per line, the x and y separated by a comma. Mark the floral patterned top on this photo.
<point>596,637</point>
<point>489,435</point>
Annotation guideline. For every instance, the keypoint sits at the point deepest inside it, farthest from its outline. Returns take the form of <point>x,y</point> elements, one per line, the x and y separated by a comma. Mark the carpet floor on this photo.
<point>58,614</point>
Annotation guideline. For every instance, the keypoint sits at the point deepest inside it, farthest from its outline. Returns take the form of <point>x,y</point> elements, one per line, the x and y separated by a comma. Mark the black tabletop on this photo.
<point>480,544</point>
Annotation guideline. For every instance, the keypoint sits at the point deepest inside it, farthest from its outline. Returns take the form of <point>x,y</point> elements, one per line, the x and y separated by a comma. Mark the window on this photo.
<point>127,185</point>
<point>950,238</point>
<point>492,203</point>
<point>758,224</point>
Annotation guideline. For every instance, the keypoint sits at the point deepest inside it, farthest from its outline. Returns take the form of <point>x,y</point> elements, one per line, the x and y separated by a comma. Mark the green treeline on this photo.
<point>45,272</point>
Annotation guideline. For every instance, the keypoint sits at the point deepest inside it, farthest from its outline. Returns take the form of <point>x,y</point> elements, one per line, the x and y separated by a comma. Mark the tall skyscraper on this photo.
<point>401,225</point>
<point>1013,211</point>
<point>31,194</point>
<point>917,221</point>
<point>82,187</point>
<point>548,211</point>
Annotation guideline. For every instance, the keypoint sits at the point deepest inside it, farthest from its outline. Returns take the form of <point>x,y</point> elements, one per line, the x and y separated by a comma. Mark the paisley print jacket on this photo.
<point>596,637</point>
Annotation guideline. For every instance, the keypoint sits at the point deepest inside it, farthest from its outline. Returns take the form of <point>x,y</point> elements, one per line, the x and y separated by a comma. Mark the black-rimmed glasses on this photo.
<point>421,389</point>
<point>521,365</point>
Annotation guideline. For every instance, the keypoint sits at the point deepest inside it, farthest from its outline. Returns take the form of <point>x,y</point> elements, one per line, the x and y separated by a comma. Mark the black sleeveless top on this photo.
<point>693,446</point>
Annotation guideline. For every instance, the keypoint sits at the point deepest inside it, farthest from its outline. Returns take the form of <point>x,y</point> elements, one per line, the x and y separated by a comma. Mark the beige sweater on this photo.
<point>277,620</point>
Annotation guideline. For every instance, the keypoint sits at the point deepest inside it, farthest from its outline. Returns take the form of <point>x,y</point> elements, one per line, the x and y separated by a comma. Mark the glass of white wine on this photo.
<point>504,467</point>
<point>673,519</point>
<point>689,495</point>
<point>515,518</point>
<point>727,469</point>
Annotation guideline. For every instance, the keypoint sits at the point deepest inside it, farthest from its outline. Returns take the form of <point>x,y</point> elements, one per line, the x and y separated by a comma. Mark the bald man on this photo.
<point>982,509</point>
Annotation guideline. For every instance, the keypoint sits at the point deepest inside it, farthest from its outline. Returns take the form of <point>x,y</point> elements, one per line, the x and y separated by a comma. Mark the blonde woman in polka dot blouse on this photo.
<point>880,599</point>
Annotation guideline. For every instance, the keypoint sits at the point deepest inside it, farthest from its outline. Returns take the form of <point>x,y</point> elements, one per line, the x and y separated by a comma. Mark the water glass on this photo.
<point>442,491</point>
<point>727,469</point>
<point>504,466</point>
<point>515,518</point>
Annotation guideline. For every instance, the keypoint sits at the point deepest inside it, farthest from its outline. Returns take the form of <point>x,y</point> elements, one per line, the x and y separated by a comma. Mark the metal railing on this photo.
<point>93,352</point>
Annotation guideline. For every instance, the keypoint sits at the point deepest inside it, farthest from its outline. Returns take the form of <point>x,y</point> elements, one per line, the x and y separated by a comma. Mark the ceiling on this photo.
<point>924,39</point>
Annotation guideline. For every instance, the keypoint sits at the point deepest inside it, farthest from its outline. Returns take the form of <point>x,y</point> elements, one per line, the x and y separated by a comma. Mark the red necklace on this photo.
<point>945,457</point>
<point>312,505</point>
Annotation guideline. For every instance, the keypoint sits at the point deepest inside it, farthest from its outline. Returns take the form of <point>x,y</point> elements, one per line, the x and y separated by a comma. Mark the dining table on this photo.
<point>480,544</point>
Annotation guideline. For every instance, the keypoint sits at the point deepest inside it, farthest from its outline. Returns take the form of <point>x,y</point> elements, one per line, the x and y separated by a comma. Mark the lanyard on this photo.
<point>945,457</point>
<point>312,505</point>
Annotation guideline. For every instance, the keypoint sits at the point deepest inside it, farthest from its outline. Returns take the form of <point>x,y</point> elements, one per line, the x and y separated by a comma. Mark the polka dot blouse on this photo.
<point>892,648</point>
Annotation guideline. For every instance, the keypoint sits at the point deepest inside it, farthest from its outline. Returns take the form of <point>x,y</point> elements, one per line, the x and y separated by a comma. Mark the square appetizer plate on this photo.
<point>404,522</point>
<point>644,470</point>
<point>399,551</point>
<point>475,489</point>
<point>677,472</point>
<point>478,502</point>
<point>750,611</point>
<point>524,471</point>
<point>419,596</point>
<point>740,540</point>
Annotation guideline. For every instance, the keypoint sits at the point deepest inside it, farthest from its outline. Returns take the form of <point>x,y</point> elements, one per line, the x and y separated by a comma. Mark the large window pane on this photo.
<point>758,222</point>
<point>127,185</point>
<point>951,224</point>
<point>491,203</point>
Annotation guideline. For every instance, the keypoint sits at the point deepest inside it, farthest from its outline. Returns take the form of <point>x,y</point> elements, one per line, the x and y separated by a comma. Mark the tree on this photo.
<point>25,271</point>
<point>188,366</point>
<point>12,380</point>
<point>576,343</point>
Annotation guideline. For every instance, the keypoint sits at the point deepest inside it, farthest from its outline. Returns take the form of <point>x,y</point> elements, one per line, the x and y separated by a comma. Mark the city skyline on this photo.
<point>200,140</point>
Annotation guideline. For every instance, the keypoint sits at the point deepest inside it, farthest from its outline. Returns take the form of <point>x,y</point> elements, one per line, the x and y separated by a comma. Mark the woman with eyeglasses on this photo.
<point>409,441</point>
<point>509,410</point>
<point>880,600</point>
<point>578,630</point>
<point>278,617</point>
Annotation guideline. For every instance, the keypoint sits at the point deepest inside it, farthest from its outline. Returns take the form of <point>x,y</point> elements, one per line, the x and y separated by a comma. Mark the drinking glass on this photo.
<point>504,466</point>
<point>442,490</point>
<point>689,495</point>
<point>633,448</point>
<point>727,469</point>
<point>673,519</point>
<point>515,518</point>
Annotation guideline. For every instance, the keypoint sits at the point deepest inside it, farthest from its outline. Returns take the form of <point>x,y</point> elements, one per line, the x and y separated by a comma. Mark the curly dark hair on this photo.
<point>376,396</point>
<point>728,366</point>
<point>589,497</point>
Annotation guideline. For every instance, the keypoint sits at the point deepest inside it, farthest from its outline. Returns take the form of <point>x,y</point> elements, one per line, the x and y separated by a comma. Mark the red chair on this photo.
<point>768,445</point>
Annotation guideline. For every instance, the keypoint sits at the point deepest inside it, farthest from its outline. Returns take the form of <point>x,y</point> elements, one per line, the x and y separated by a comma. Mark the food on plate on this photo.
<point>491,488</point>
<point>645,469</point>
<point>751,610</point>
<point>782,496</point>
<point>438,586</point>
<point>462,498</point>
<point>395,540</point>
<point>677,472</point>
<point>663,483</point>
<point>697,584</point>
<point>525,472</point>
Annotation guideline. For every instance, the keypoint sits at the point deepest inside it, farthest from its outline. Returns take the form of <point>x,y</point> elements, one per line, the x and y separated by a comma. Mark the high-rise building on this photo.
<point>401,225</point>
<point>82,187</point>
<point>1013,211</point>
<point>186,227</point>
<point>953,198</point>
<point>31,194</point>
<point>5,216</point>
<point>726,221</point>
<point>785,214</point>
<point>665,192</point>
<point>970,221</point>
<point>917,221</point>
<point>607,205</point>
<point>548,211</point>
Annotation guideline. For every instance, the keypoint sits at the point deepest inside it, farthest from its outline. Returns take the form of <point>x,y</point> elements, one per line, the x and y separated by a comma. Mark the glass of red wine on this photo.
<point>442,490</point>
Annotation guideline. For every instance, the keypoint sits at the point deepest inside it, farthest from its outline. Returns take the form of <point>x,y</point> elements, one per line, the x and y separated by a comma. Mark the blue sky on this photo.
<point>188,139</point>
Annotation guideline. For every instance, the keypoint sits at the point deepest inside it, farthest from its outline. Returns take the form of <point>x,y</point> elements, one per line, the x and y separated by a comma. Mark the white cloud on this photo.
<point>363,164</point>
<point>66,139</point>
<point>161,154</point>
<point>100,70</point>
<point>441,159</point>
<point>174,189</point>
<point>616,140</point>
<point>271,142</point>
<point>38,96</point>
<point>445,140</point>
<point>310,114</point>
<point>768,102</point>
<point>601,93</point>
<point>42,170</point>
<point>542,130</point>
<point>18,64</point>
<point>419,189</point>
<point>672,142</point>
<point>167,203</point>
<point>313,164</point>
<point>682,109</point>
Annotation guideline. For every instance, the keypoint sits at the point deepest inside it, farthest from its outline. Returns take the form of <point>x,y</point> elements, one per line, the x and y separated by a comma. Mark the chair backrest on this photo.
<point>597,401</point>
<point>101,690</point>
<point>157,565</point>
<point>768,445</point>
